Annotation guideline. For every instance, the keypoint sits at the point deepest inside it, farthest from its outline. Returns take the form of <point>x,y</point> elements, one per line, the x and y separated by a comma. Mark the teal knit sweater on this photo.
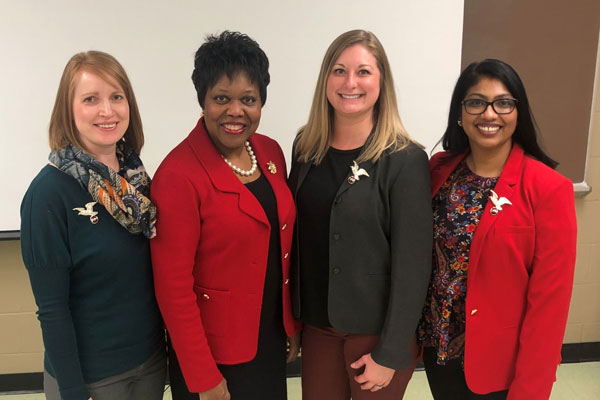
<point>92,283</point>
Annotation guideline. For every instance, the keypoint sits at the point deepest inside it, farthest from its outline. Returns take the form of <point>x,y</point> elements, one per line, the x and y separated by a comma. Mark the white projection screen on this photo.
<point>156,40</point>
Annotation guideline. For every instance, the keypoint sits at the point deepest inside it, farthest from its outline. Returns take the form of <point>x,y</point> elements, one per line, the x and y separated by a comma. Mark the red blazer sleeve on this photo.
<point>173,259</point>
<point>549,290</point>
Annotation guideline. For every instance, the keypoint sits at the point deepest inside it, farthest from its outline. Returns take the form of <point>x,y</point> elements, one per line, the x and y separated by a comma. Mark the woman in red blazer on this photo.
<point>221,253</point>
<point>506,220</point>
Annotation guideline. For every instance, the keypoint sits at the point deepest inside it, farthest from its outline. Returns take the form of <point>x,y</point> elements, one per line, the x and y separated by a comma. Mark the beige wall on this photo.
<point>20,338</point>
<point>584,317</point>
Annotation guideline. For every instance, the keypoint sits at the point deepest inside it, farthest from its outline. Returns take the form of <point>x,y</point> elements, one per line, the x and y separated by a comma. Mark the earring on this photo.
<point>459,122</point>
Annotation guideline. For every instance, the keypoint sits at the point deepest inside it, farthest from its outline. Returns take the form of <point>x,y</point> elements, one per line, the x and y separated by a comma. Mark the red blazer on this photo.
<point>520,278</point>
<point>210,254</point>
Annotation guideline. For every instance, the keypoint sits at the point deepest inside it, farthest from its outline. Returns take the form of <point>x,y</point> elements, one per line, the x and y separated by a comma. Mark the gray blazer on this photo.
<point>380,251</point>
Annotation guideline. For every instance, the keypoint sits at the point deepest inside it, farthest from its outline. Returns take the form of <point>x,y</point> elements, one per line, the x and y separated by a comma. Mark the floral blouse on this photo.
<point>457,208</point>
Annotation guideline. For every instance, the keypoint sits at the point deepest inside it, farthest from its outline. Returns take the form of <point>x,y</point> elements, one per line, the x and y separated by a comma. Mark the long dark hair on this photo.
<point>526,132</point>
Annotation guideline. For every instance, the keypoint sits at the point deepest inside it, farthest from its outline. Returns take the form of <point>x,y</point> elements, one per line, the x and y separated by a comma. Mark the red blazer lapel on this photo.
<point>441,166</point>
<point>504,188</point>
<point>221,175</point>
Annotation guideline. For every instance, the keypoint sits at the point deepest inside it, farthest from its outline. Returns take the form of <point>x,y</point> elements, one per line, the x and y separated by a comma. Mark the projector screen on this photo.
<point>155,41</point>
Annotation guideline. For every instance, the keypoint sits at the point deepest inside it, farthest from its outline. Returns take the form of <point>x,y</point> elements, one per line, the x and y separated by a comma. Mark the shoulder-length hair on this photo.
<point>313,138</point>
<point>63,131</point>
<point>526,132</point>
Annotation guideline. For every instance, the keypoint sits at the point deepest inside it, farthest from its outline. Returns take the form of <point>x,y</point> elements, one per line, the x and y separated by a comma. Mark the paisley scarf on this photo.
<point>124,194</point>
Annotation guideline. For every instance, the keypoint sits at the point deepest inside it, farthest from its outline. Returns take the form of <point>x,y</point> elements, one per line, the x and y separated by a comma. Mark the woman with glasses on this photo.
<point>504,247</point>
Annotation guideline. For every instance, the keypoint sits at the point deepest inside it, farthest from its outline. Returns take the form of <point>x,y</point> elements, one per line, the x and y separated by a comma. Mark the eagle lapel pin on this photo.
<point>356,173</point>
<point>271,167</point>
<point>498,203</point>
<point>88,210</point>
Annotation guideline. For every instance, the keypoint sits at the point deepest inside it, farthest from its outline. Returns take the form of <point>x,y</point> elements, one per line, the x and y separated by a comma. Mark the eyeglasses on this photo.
<point>478,106</point>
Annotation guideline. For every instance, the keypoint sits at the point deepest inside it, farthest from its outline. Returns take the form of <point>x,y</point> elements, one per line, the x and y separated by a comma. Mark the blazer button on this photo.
<point>336,271</point>
<point>286,281</point>
<point>205,296</point>
<point>283,227</point>
<point>286,255</point>
<point>473,311</point>
<point>336,236</point>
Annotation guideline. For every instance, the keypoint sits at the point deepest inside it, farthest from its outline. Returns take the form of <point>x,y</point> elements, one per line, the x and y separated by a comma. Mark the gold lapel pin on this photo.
<point>271,167</point>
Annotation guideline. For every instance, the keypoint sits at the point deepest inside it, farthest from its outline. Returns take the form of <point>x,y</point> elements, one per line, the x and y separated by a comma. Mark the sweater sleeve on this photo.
<point>45,250</point>
<point>173,259</point>
<point>410,245</point>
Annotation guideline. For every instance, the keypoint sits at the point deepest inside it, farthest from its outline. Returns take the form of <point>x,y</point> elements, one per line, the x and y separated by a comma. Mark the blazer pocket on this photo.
<point>215,309</point>
<point>514,246</point>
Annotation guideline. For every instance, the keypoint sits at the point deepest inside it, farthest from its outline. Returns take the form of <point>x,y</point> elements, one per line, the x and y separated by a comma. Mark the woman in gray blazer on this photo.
<point>362,256</point>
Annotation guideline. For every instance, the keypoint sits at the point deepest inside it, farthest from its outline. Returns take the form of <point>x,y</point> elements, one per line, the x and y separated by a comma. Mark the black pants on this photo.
<point>447,382</point>
<point>263,378</point>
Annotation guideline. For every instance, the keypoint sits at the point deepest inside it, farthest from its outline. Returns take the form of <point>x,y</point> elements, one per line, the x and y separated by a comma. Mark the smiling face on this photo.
<point>232,111</point>
<point>353,83</point>
<point>100,111</point>
<point>489,131</point>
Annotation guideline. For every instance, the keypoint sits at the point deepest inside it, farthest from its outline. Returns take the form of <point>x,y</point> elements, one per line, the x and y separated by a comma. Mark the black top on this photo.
<point>272,303</point>
<point>264,376</point>
<point>92,282</point>
<point>314,201</point>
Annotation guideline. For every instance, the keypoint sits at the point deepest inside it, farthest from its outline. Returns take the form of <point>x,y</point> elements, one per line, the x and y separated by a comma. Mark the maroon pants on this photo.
<point>326,373</point>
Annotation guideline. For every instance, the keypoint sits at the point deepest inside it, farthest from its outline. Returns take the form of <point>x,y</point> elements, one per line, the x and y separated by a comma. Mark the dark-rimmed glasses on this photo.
<point>478,106</point>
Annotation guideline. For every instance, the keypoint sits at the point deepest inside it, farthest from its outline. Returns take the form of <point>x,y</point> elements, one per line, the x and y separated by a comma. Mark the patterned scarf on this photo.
<point>124,195</point>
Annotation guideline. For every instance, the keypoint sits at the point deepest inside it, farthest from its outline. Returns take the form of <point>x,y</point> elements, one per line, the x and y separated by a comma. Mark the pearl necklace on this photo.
<point>240,171</point>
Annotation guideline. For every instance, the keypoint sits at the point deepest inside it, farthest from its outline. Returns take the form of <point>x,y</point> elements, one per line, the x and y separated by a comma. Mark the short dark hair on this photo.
<point>228,54</point>
<point>526,132</point>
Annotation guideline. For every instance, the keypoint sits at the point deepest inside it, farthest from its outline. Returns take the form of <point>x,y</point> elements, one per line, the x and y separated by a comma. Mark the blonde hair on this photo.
<point>63,131</point>
<point>313,138</point>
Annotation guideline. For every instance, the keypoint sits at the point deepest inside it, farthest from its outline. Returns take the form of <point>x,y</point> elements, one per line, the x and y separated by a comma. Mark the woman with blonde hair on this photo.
<point>362,255</point>
<point>85,223</point>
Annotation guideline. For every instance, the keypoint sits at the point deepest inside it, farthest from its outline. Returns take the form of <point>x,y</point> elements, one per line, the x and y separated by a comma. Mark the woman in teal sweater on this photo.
<point>85,224</point>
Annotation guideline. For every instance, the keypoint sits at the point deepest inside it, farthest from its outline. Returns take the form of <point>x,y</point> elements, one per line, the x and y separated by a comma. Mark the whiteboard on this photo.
<point>155,41</point>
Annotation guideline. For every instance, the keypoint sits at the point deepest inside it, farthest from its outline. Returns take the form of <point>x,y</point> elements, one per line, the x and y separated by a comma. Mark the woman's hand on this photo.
<point>375,377</point>
<point>293,347</point>
<point>219,392</point>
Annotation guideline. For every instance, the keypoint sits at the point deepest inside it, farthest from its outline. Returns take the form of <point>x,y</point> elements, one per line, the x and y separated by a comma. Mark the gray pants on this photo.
<point>144,382</point>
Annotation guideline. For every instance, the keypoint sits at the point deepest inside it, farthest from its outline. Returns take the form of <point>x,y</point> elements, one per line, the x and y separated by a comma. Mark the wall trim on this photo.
<point>580,352</point>
<point>27,382</point>
<point>10,235</point>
